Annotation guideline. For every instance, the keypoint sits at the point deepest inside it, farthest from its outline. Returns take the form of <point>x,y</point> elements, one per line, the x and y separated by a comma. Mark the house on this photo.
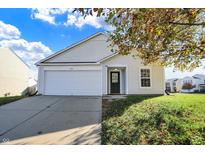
<point>179,85</point>
<point>171,85</point>
<point>15,75</point>
<point>187,84</point>
<point>90,68</point>
<point>194,83</point>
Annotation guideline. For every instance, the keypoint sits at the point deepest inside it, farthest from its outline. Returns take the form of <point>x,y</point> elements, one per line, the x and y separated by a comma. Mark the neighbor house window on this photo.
<point>145,78</point>
<point>187,81</point>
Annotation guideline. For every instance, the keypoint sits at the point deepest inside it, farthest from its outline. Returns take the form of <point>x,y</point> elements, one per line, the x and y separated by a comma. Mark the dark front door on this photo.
<point>115,82</point>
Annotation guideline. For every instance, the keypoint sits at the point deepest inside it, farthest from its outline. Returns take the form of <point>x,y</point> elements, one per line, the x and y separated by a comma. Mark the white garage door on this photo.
<point>72,83</point>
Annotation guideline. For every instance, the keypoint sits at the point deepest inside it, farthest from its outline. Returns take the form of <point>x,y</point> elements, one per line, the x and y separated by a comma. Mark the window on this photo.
<point>168,88</point>
<point>145,78</point>
<point>114,77</point>
<point>187,81</point>
<point>167,84</point>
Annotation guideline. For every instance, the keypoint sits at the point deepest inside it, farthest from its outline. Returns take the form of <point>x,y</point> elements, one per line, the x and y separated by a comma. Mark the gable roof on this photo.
<point>199,76</point>
<point>172,79</point>
<point>86,59</point>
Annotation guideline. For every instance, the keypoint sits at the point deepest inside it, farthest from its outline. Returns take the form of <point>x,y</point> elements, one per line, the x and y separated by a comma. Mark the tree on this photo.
<point>170,37</point>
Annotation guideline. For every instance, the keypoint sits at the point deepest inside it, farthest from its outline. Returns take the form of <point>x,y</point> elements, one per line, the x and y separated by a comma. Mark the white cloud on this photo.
<point>8,31</point>
<point>80,21</point>
<point>73,19</point>
<point>44,17</point>
<point>170,72</point>
<point>48,14</point>
<point>29,52</point>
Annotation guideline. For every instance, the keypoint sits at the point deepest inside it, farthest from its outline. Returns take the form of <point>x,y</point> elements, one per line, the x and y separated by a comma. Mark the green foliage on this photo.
<point>170,37</point>
<point>175,119</point>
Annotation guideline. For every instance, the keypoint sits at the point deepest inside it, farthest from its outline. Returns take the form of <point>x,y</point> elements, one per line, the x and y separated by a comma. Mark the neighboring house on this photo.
<point>195,83</point>
<point>90,68</point>
<point>15,75</point>
<point>188,84</point>
<point>171,85</point>
<point>178,85</point>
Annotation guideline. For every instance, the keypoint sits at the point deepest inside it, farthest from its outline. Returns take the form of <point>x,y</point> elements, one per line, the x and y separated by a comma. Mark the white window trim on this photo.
<point>150,77</point>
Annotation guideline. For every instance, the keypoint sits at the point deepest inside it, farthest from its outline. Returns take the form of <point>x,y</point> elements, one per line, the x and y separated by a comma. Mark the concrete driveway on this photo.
<point>51,120</point>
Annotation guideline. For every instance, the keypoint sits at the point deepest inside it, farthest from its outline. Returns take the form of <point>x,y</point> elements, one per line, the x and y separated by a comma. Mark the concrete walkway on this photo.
<point>51,120</point>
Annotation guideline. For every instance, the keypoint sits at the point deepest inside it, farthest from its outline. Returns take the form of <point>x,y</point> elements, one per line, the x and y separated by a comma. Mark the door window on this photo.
<point>114,77</point>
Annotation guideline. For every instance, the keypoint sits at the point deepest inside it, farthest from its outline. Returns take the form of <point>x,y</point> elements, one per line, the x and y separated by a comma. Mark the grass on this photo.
<point>175,119</point>
<point>5,100</point>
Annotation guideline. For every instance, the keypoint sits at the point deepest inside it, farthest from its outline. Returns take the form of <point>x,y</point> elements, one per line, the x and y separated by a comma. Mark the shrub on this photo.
<point>187,86</point>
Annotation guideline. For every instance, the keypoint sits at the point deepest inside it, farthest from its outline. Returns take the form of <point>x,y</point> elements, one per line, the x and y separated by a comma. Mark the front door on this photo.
<point>115,82</point>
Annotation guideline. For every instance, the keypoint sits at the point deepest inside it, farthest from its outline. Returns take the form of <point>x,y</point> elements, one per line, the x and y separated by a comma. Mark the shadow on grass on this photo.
<point>153,123</point>
<point>117,107</point>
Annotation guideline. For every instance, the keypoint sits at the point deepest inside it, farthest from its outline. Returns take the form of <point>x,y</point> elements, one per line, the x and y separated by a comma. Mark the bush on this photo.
<point>187,86</point>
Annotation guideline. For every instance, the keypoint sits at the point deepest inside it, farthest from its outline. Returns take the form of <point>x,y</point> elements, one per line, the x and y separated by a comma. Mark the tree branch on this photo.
<point>189,24</point>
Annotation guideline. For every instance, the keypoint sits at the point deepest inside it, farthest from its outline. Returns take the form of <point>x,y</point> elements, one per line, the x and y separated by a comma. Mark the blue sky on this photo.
<point>36,33</point>
<point>59,36</point>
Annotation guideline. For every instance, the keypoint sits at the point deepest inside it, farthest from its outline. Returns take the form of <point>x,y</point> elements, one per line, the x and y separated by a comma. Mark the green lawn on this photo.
<point>5,100</point>
<point>175,119</point>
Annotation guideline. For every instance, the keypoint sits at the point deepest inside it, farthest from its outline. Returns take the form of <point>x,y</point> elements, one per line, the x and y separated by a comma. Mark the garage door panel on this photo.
<point>72,83</point>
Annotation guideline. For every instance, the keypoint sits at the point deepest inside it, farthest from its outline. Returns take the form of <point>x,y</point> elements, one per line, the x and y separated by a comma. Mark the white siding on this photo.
<point>90,51</point>
<point>133,76</point>
<point>15,75</point>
